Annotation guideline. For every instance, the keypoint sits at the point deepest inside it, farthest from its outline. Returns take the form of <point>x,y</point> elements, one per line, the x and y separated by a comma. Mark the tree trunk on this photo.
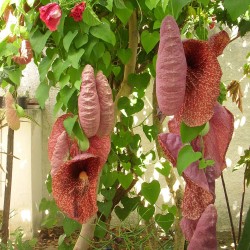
<point>8,182</point>
<point>179,239</point>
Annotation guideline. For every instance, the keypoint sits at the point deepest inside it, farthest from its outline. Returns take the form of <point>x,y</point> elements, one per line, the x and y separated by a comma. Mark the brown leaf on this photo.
<point>234,90</point>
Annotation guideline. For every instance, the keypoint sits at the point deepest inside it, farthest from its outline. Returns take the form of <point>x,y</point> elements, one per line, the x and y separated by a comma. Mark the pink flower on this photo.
<point>51,14</point>
<point>77,11</point>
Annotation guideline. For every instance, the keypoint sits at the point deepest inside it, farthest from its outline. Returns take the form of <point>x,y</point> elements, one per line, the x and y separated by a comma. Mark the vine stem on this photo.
<point>228,209</point>
<point>241,208</point>
<point>8,184</point>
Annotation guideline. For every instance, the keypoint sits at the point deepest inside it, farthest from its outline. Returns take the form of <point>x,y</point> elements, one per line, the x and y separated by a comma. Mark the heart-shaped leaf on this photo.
<point>186,156</point>
<point>165,221</point>
<point>105,207</point>
<point>151,191</point>
<point>146,212</point>
<point>125,180</point>
<point>124,55</point>
<point>129,205</point>
<point>190,133</point>
<point>109,194</point>
<point>149,40</point>
<point>109,179</point>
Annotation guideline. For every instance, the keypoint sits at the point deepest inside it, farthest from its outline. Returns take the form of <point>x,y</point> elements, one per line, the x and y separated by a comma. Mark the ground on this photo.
<point>48,239</point>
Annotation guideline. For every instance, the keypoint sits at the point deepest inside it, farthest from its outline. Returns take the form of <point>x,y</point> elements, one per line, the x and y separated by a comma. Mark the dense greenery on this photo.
<point>119,37</point>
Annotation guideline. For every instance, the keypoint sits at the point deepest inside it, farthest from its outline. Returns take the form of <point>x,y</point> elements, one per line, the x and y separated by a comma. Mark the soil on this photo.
<point>48,240</point>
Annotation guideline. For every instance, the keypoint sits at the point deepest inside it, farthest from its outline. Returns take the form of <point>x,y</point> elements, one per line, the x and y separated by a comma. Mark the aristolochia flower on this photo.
<point>77,11</point>
<point>12,117</point>
<point>25,53</point>
<point>74,187</point>
<point>51,14</point>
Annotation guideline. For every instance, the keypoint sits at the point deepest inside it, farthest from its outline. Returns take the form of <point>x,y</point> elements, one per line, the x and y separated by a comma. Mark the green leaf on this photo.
<point>186,156</point>
<point>58,67</point>
<point>165,170</point>
<point>104,32</point>
<point>80,40</point>
<point>236,8</point>
<point>244,243</point>
<point>124,14</point>
<point>202,33</point>
<point>126,165</point>
<point>69,124</point>
<point>149,40</point>
<point>151,4</point>
<point>70,226</point>
<point>165,221</point>
<point>129,205</point>
<point>74,56</point>
<point>175,7</point>
<point>44,67</point>
<point>139,81</point>
<point>67,40</point>
<point>109,179</point>
<point>125,180</point>
<point>89,17</point>
<point>151,191</point>
<point>123,139</point>
<point>190,133</point>
<point>164,4</point>
<point>105,207</point>
<point>99,50</point>
<point>48,183</point>
<point>151,132</point>
<point>204,2</point>
<point>146,212</point>
<point>66,94</point>
<point>106,59</point>
<point>20,111</point>
<point>130,106</point>
<point>15,76</point>
<point>3,5</point>
<point>38,40</point>
<point>244,27</point>
<point>205,130</point>
<point>42,93</point>
<point>124,55</point>
<point>61,239</point>
<point>120,4</point>
<point>82,139</point>
<point>109,5</point>
<point>100,229</point>
<point>109,194</point>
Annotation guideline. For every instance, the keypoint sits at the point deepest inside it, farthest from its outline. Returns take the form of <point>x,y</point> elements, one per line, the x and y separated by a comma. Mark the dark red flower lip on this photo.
<point>75,198</point>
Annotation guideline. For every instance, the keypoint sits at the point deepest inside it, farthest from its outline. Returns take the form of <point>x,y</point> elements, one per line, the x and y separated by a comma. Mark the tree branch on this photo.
<point>125,89</point>
<point>171,180</point>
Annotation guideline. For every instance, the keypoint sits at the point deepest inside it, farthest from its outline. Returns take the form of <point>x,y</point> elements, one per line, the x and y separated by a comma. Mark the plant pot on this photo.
<point>33,104</point>
<point>22,101</point>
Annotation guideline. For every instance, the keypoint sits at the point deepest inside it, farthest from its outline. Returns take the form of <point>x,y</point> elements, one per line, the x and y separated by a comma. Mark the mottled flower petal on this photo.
<point>12,117</point>
<point>218,138</point>
<point>204,236</point>
<point>218,42</point>
<point>170,144</point>
<point>188,227</point>
<point>203,82</point>
<point>60,152</point>
<point>100,146</point>
<point>56,131</point>
<point>195,199</point>
<point>75,197</point>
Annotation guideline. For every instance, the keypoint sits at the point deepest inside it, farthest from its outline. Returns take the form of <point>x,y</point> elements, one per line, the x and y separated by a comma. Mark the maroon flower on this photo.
<point>25,53</point>
<point>51,14</point>
<point>74,187</point>
<point>77,11</point>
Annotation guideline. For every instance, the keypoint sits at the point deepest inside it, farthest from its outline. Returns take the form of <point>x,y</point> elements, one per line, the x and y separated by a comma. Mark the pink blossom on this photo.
<point>51,14</point>
<point>77,11</point>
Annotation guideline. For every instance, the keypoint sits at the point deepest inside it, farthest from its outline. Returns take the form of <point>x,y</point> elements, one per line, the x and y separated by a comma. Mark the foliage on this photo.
<point>245,241</point>
<point>101,39</point>
<point>18,242</point>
